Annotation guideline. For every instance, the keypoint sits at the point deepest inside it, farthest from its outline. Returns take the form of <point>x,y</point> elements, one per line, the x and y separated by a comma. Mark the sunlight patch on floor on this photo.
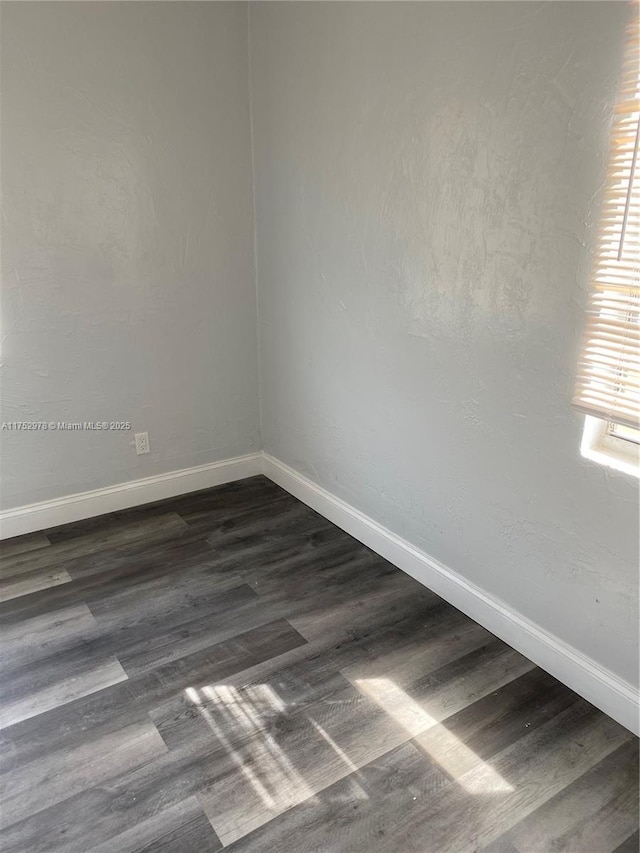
<point>450,753</point>
<point>229,710</point>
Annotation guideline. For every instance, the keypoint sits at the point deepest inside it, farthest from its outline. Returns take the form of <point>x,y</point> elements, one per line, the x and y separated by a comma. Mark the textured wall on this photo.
<point>426,185</point>
<point>128,279</point>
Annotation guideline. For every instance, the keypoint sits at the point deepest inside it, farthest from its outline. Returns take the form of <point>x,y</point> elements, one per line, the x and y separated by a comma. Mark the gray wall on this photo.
<point>128,277</point>
<point>425,184</point>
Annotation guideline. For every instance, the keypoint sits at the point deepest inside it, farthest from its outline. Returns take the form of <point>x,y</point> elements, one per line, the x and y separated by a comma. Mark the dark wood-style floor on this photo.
<point>230,669</point>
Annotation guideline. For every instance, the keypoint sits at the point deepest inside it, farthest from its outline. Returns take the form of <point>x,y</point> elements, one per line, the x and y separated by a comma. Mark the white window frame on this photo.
<point>599,444</point>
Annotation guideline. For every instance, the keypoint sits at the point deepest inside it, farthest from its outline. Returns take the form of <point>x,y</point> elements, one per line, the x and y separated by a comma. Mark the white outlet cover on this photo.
<point>142,442</point>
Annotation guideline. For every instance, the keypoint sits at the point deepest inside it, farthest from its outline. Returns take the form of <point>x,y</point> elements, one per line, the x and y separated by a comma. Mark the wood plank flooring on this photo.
<point>230,670</point>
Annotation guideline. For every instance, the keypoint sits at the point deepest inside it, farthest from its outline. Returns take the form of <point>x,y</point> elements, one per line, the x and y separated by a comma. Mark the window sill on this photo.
<point>605,449</point>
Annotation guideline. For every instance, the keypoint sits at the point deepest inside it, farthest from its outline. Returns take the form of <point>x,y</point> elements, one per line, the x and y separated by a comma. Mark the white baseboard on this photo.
<point>600,686</point>
<point>39,516</point>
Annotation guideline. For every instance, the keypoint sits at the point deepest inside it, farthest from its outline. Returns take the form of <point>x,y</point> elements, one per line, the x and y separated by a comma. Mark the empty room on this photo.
<point>320,426</point>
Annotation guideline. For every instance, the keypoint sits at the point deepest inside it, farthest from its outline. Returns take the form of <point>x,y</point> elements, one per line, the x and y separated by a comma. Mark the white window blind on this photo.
<point>608,383</point>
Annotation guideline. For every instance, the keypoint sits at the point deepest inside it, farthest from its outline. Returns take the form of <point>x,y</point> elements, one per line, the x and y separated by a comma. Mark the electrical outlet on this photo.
<point>142,442</point>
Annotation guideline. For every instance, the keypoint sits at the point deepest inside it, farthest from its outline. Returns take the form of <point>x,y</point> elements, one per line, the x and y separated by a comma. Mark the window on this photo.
<point>608,383</point>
